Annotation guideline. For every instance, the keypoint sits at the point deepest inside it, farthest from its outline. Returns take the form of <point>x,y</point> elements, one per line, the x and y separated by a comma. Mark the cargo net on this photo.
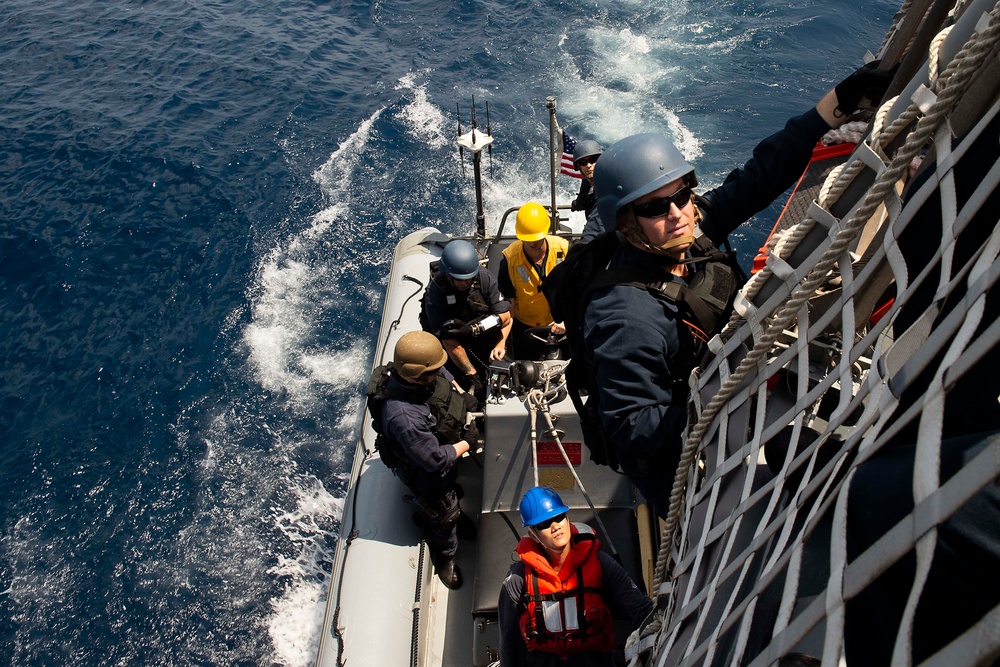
<point>837,496</point>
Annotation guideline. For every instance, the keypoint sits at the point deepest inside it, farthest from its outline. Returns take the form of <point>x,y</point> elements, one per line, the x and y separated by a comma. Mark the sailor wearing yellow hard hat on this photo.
<point>524,265</point>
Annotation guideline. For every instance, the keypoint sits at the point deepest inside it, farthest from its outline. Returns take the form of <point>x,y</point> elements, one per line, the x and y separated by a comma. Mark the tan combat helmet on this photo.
<point>416,353</point>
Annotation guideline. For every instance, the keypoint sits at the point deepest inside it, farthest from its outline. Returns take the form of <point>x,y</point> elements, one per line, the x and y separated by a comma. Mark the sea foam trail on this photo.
<point>616,97</point>
<point>301,281</point>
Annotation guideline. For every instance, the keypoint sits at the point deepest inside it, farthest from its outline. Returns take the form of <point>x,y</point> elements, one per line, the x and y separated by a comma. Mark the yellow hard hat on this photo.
<point>532,222</point>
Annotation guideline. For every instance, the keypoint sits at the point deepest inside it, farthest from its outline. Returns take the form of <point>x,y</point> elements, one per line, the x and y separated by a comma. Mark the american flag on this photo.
<point>566,167</point>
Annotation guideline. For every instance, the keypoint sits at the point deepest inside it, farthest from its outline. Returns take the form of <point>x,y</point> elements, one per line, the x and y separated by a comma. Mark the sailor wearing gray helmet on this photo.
<point>642,341</point>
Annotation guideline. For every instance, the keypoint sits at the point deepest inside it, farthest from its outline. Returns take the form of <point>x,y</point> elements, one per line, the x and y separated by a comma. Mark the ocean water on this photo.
<point>198,203</point>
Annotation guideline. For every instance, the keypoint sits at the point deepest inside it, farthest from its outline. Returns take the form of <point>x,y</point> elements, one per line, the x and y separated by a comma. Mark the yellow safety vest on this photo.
<point>530,307</point>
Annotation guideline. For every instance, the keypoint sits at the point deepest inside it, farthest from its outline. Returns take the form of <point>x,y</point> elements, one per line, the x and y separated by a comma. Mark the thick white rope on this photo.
<point>955,79</point>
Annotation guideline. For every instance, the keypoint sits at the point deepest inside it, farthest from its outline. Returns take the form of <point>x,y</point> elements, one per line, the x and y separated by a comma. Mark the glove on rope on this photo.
<point>863,89</point>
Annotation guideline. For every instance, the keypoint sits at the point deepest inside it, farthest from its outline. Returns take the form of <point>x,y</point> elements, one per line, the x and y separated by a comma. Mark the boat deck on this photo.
<point>387,606</point>
<point>459,624</point>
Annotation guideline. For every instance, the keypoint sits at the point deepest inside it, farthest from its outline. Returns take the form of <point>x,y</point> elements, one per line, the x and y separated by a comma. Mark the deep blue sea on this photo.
<point>198,203</point>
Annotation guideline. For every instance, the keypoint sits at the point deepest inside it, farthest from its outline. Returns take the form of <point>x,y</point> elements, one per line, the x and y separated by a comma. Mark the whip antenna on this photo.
<point>474,126</point>
<point>475,144</point>
<point>461,151</point>
<point>489,133</point>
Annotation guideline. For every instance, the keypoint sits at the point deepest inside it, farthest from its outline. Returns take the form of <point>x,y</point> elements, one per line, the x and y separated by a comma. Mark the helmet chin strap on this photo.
<point>673,243</point>
<point>635,234</point>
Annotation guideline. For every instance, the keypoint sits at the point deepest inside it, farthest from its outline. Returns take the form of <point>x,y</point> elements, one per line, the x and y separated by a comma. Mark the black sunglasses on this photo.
<point>661,206</point>
<point>556,519</point>
<point>590,159</point>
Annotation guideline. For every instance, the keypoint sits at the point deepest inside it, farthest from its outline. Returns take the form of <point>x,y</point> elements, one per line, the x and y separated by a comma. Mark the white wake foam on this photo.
<point>620,96</point>
<point>303,281</point>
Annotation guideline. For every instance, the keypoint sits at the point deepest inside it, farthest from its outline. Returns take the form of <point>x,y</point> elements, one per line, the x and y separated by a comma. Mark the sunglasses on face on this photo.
<point>587,160</point>
<point>556,519</point>
<point>661,206</point>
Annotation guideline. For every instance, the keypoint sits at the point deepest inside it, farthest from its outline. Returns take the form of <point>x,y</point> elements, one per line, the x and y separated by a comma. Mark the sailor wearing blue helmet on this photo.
<point>585,157</point>
<point>555,607</point>
<point>463,306</point>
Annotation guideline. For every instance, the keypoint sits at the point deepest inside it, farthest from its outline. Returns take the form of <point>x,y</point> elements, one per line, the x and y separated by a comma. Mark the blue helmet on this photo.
<point>460,260</point>
<point>634,167</point>
<point>539,505</point>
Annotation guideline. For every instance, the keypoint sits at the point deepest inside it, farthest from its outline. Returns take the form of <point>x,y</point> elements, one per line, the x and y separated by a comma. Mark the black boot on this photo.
<point>466,528</point>
<point>448,572</point>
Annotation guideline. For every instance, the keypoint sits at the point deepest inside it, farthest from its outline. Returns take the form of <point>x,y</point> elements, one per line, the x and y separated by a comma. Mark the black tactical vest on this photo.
<point>445,403</point>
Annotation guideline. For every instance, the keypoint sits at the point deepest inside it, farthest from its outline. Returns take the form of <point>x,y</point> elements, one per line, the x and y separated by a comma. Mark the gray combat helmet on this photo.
<point>633,167</point>
<point>459,260</point>
<point>585,148</point>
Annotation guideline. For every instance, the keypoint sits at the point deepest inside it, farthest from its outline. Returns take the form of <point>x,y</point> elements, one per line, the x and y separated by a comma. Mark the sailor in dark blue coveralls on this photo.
<point>461,294</point>
<point>644,194</point>
<point>425,414</point>
<point>585,157</point>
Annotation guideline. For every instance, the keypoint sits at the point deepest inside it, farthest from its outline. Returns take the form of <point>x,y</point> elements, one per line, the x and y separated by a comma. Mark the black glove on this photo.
<point>863,89</point>
<point>476,385</point>
<point>471,402</point>
<point>471,434</point>
<point>455,329</point>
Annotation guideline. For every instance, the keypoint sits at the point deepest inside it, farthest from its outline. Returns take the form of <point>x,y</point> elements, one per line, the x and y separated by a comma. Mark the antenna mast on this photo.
<point>475,142</point>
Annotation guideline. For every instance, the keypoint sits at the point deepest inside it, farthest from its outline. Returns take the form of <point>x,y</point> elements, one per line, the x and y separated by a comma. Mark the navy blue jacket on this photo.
<point>441,305</point>
<point>412,426</point>
<point>593,227</point>
<point>632,336</point>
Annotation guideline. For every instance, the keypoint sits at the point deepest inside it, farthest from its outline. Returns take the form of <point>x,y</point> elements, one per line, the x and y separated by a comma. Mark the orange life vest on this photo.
<point>564,611</point>
<point>530,306</point>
